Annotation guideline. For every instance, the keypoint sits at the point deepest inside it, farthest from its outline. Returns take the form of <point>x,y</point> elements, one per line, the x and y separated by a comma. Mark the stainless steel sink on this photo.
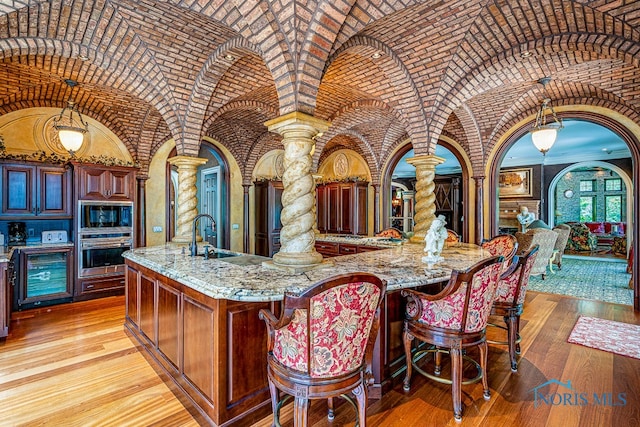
<point>217,255</point>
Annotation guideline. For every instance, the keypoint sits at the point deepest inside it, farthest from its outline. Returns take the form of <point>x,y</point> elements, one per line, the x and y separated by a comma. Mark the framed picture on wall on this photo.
<point>515,183</point>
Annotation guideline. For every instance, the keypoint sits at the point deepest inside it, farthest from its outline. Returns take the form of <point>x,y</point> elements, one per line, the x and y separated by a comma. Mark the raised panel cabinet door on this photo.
<point>92,184</point>
<point>131,291</point>
<point>54,192</point>
<point>169,323</point>
<point>246,344</point>
<point>198,326</point>
<point>120,185</point>
<point>361,216</point>
<point>347,209</point>
<point>334,210</point>
<point>18,190</point>
<point>321,208</point>
<point>147,307</point>
<point>4,301</point>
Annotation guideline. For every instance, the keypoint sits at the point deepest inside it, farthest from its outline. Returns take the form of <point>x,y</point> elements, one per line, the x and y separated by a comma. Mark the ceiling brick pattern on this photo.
<point>186,69</point>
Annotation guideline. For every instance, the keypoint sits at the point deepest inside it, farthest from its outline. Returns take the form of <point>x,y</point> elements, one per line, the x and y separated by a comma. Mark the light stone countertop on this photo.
<point>243,277</point>
<point>360,240</point>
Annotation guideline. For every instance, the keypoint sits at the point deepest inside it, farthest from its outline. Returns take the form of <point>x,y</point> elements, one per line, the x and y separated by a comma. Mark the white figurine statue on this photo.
<point>525,218</point>
<point>434,239</point>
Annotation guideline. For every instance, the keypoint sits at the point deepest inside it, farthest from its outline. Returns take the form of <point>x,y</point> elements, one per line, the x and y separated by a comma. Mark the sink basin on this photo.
<point>216,255</point>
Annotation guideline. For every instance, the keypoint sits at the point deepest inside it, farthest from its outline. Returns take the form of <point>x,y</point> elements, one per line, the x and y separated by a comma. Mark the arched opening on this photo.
<point>451,190</point>
<point>545,171</point>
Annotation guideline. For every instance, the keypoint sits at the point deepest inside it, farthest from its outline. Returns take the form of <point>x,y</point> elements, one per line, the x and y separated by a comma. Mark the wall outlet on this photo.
<point>235,226</point>
<point>157,229</point>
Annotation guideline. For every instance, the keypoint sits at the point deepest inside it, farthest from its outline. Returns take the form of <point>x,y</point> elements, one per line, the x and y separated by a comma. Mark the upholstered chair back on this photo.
<point>452,238</point>
<point>502,244</point>
<point>512,287</point>
<point>542,237</point>
<point>465,303</point>
<point>329,336</point>
<point>564,231</point>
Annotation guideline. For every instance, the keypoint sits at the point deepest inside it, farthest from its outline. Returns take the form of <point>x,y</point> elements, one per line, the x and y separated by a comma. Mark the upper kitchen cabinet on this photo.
<point>30,190</point>
<point>342,208</point>
<point>97,182</point>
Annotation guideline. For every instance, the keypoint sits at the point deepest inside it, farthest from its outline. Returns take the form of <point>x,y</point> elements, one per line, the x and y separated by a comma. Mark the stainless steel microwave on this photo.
<point>101,214</point>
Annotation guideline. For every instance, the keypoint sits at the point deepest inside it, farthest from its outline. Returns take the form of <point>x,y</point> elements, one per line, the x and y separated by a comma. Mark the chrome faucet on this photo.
<point>193,247</point>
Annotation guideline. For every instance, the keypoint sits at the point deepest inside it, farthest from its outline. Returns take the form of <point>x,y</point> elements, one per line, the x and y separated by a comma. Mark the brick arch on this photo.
<point>483,77</point>
<point>474,140</point>
<point>575,94</point>
<point>245,104</point>
<point>401,79</point>
<point>362,147</point>
<point>265,143</point>
<point>65,49</point>
<point>204,86</point>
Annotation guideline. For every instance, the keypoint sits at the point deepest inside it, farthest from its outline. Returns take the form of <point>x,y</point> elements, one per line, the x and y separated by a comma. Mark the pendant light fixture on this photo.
<point>543,133</point>
<point>71,129</point>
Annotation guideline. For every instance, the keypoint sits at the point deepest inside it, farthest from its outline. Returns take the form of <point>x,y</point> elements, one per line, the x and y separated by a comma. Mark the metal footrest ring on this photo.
<point>436,377</point>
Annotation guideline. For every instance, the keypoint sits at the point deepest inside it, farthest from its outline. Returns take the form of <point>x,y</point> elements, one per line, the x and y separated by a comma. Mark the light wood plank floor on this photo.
<point>73,365</point>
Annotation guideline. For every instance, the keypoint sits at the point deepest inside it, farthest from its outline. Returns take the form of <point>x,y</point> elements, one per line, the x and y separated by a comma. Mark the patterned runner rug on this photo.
<point>584,278</point>
<point>607,335</point>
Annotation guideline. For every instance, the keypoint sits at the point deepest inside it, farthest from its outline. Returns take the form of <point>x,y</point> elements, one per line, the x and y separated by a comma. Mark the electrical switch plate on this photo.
<point>157,229</point>
<point>235,226</point>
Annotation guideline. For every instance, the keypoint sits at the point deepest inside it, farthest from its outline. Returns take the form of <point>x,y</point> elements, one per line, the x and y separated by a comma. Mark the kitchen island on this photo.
<point>197,319</point>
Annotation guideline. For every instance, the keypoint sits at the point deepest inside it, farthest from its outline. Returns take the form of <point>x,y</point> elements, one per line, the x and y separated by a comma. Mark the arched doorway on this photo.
<point>624,133</point>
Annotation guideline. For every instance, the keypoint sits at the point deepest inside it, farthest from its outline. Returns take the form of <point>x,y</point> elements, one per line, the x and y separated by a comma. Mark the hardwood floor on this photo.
<point>73,365</point>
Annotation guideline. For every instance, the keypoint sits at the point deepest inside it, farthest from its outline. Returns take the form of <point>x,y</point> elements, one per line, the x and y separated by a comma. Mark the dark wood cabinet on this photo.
<point>342,208</point>
<point>98,182</point>
<point>268,206</point>
<point>96,287</point>
<point>30,190</point>
<point>448,201</point>
<point>212,349</point>
<point>331,249</point>
<point>5,302</point>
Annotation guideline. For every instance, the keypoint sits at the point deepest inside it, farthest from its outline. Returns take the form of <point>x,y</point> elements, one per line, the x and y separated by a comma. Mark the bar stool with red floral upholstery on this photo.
<point>450,322</point>
<point>322,344</point>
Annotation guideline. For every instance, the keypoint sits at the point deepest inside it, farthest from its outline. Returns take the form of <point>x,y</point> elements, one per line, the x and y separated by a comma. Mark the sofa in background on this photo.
<point>581,239</point>
<point>606,231</point>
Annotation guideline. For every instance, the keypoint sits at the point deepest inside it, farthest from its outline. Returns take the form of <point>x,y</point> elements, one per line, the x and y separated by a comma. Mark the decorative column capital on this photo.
<point>425,161</point>
<point>186,161</point>
<point>295,122</point>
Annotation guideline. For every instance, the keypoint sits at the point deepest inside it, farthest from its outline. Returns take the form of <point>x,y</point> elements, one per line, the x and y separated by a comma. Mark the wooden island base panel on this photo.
<point>197,320</point>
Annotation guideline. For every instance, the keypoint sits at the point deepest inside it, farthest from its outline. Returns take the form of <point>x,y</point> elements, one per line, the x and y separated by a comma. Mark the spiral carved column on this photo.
<point>297,237</point>
<point>425,207</point>
<point>187,200</point>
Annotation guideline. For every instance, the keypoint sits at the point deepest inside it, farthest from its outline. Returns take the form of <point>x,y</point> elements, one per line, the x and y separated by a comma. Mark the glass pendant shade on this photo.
<point>544,138</point>
<point>71,138</point>
<point>70,130</point>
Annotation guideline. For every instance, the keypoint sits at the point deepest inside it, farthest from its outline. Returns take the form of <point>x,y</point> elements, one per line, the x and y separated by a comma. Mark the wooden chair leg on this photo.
<point>483,367</point>
<point>512,336</point>
<point>275,399</point>
<point>438,362</point>
<point>517,332</point>
<point>360,393</point>
<point>407,339</point>
<point>330,413</point>
<point>301,412</point>
<point>456,382</point>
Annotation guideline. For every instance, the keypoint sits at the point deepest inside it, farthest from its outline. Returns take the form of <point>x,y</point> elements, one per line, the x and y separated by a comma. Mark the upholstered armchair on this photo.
<point>502,244</point>
<point>322,344</point>
<point>546,239</point>
<point>452,238</point>
<point>452,321</point>
<point>509,300</point>
<point>564,231</point>
<point>581,238</point>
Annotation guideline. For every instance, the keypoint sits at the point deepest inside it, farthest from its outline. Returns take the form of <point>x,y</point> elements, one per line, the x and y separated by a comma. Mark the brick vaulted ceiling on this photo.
<point>154,70</point>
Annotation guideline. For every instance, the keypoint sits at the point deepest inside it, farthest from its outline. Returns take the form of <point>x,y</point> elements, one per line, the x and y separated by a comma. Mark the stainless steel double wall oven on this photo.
<point>105,232</point>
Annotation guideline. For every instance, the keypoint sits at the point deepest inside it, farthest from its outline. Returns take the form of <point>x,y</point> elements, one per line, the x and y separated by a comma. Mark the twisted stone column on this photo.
<point>297,237</point>
<point>187,200</point>
<point>425,207</point>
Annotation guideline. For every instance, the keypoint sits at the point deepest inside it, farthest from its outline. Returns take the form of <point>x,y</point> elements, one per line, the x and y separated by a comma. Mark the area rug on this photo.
<point>606,281</point>
<point>607,335</point>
